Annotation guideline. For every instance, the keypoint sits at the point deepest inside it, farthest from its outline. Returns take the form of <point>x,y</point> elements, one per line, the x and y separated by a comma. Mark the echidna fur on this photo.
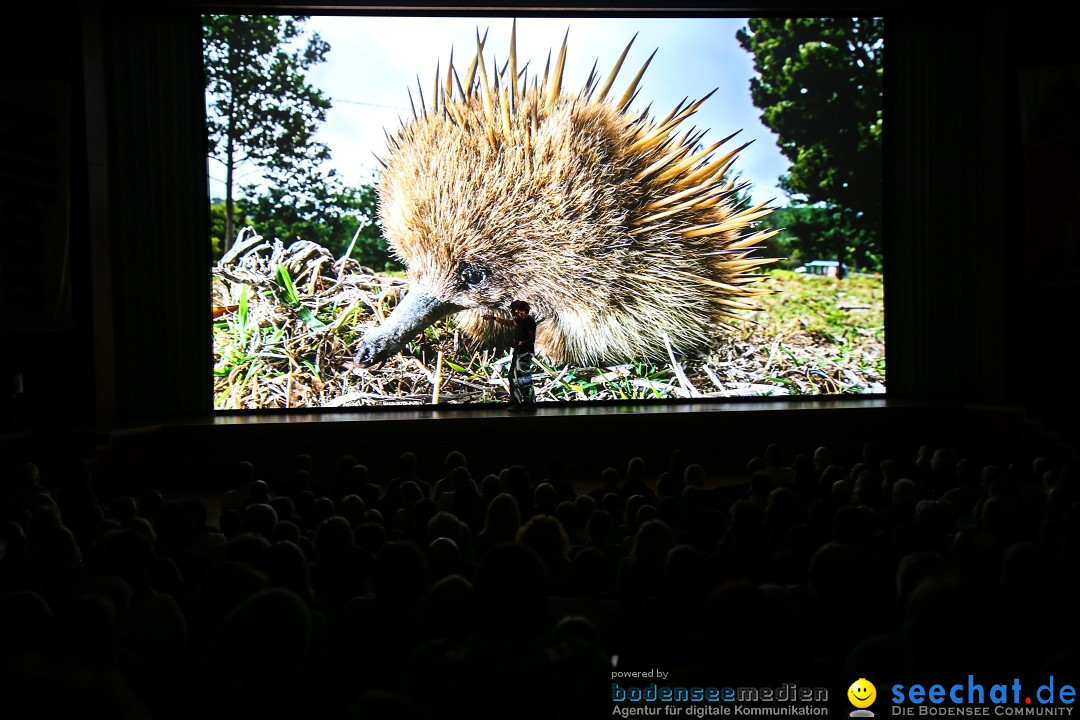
<point>622,236</point>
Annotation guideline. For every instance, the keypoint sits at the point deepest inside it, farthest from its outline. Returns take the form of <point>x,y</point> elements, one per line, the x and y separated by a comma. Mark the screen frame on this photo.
<point>601,10</point>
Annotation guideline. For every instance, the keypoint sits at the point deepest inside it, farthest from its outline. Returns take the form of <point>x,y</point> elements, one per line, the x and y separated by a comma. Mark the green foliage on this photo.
<point>231,337</point>
<point>820,233</point>
<point>289,295</point>
<point>318,208</point>
<point>260,107</point>
<point>217,226</point>
<point>819,87</point>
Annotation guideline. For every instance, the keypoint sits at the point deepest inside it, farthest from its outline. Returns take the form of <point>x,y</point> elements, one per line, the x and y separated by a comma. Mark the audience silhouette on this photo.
<point>347,594</point>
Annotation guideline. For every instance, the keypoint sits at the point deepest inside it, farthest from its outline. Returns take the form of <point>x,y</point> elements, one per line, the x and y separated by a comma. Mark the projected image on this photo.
<point>675,209</point>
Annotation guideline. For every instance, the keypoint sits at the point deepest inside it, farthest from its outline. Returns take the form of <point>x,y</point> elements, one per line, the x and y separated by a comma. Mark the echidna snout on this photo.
<point>416,311</point>
<point>625,237</point>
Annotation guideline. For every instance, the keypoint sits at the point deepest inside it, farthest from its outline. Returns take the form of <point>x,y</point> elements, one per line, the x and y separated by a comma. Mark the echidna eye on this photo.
<point>473,275</point>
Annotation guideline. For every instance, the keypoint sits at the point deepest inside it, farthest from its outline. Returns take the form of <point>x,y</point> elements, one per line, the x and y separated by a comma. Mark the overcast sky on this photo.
<point>373,60</point>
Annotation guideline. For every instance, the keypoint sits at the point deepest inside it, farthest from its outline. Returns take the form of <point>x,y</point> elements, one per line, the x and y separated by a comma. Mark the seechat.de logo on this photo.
<point>974,698</point>
<point>862,694</point>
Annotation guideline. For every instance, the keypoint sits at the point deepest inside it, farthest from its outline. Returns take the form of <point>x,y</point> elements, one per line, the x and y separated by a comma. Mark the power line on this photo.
<point>396,108</point>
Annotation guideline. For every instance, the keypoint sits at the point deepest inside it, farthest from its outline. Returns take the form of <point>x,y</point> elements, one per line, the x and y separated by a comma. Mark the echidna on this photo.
<point>622,233</point>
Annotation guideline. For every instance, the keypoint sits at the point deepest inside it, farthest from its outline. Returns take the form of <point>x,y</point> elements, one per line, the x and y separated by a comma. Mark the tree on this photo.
<point>260,108</point>
<point>819,87</point>
<point>811,232</point>
<point>217,226</point>
<point>316,207</point>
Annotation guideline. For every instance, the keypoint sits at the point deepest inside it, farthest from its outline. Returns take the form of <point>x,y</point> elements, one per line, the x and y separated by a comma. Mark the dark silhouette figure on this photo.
<point>522,397</point>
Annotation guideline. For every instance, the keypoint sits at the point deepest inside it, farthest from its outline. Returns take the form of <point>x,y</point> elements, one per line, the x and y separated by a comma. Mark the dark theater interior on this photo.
<point>159,559</point>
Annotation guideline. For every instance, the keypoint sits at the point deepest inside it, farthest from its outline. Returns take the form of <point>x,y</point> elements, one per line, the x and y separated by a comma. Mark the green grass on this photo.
<point>282,347</point>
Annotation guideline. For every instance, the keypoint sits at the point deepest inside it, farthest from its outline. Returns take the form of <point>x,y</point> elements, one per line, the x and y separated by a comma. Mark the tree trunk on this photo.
<point>230,231</point>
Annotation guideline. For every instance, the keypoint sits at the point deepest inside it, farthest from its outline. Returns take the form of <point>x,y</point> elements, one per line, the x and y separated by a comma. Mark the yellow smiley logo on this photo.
<point>862,693</point>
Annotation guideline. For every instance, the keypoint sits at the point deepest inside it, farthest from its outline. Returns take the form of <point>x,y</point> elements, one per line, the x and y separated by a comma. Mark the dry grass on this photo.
<point>287,340</point>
